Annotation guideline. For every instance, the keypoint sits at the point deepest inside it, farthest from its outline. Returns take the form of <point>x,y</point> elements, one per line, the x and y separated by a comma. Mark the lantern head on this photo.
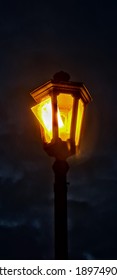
<point>60,110</point>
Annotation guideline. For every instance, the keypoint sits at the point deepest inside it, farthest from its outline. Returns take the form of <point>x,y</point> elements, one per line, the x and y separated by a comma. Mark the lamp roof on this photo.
<point>61,84</point>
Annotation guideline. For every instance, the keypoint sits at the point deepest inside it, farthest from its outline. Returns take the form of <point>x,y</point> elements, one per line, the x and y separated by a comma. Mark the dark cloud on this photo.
<point>23,242</point>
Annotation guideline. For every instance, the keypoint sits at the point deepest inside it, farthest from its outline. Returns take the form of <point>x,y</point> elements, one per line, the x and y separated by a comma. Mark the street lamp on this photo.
<point>60,110</point>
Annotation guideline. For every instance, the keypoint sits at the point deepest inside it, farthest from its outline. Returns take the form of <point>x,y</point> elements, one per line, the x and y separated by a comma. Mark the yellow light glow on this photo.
<point>79,121</point>
<point>65,105</point>
<point>43,112</point>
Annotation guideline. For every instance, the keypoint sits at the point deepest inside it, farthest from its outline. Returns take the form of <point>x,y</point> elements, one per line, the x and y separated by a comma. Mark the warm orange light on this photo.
<point>65,105</point>
<point>79,121</point>
<point>60,106</point>
<point>43,112</point>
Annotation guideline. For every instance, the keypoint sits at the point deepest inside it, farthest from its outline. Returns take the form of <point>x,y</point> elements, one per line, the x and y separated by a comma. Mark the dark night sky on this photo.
<point>38,39</point>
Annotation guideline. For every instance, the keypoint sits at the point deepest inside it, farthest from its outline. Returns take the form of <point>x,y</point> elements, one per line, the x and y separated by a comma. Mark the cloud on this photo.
<point>10,172</point>
<point>88,256</point>
<point>20,221</point>
<point>10,223</point>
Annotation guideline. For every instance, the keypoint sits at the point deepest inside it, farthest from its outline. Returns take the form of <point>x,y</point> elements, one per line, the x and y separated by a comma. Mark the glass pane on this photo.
<point>43,112</point>
<point>65,105</point>
<point>79,121</point>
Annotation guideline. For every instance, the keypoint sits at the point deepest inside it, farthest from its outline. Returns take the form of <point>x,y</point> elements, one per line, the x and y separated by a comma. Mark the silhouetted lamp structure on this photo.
<point>60,110</point>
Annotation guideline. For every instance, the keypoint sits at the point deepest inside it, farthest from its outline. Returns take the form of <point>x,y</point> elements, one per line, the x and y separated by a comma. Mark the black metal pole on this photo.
<point>60,168</point>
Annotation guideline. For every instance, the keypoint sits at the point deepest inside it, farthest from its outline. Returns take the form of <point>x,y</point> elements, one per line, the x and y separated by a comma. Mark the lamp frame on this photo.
<point>58,148</point>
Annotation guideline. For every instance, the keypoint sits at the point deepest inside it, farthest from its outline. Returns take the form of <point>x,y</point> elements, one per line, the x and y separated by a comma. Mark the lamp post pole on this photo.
<point>60,111</point>
<point>60,168</point>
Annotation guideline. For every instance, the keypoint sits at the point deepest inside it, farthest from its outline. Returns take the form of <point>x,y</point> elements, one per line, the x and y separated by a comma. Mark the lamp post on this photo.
<point>60,110</point>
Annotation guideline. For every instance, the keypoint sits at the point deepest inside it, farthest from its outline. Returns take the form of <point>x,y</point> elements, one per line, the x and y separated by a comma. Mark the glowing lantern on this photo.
<point>60,110</point>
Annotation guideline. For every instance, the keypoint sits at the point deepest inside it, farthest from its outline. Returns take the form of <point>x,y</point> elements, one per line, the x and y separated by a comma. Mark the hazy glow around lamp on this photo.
<point>60,110</point>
